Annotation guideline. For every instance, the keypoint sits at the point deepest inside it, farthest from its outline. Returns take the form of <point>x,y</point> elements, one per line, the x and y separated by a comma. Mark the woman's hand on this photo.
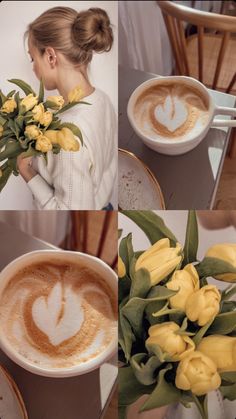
<point>25,168</point>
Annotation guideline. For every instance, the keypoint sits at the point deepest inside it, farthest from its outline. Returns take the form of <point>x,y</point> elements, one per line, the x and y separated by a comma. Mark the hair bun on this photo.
<point>91,30</point>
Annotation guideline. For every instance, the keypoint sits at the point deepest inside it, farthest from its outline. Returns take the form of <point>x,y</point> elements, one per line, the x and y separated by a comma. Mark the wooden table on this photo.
<point>82,397</point>
<point>189,180</point>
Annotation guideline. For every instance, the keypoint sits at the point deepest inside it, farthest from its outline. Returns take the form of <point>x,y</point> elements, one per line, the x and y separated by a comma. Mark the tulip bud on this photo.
<point>43,144</point>
<point>121,268</point>
<point>51,135</point>
<point>221,350</point>
<point>185,281</point>
<point>160,260</point>
<point>9,106</point>
<point>203,305</point>
<point>75,95</point>
<point>32,132</point>
<point>227,253</point>
<point>38,112</point>
<point>57,100</point>
<point>197,373</point>
<point>46,118</point>
<point>67,140</point>
<point>29,102</point>
<point>164,335</point>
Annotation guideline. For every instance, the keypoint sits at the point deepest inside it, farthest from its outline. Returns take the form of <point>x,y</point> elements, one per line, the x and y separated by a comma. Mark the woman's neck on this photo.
<point>69,78</point>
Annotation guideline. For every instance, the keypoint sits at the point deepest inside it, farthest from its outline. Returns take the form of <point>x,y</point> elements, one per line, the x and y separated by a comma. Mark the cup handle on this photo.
<point>221,110</point>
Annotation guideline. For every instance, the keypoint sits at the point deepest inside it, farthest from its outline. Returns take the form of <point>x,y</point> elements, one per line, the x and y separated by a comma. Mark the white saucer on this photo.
<point>11,403</point>
<point>138,187</point>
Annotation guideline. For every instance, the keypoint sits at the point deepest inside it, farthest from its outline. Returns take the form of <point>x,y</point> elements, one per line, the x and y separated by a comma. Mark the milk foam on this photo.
<point>171,111</point>
<point>58,316</point>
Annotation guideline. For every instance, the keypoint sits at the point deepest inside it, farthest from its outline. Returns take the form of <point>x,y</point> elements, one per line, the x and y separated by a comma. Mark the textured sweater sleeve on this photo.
<point>72,183</point>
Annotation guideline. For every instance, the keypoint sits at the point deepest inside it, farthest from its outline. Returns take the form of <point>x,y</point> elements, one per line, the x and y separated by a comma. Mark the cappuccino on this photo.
<point>58,314</point>
<point>171,111</point>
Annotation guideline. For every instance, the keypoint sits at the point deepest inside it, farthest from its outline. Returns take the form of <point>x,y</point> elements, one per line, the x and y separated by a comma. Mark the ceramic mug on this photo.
<point>44,256</point>
<point>172,146</point>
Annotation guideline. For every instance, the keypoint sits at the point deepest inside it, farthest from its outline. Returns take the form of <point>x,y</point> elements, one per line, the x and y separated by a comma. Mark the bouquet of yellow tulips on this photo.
<point>30,126</point>
<point>177,333</point>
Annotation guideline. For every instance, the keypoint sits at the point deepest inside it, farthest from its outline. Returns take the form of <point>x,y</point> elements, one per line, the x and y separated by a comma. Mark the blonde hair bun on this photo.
<point>91,31</point>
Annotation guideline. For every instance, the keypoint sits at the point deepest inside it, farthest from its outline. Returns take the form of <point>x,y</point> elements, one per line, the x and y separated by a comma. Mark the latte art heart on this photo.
<point>58,319</point>
<point>58,315</point>
<point>170,110</point>
<point>172,114</point>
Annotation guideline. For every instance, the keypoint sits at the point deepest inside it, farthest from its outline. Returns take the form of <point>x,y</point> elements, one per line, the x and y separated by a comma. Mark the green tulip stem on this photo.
<point>202,407</point>
<point>163,312</point>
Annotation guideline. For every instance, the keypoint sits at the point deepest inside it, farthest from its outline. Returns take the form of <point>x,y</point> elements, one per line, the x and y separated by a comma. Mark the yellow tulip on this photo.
<point>227,253</point>
<point>38,112</point>
<point>1,130</point>
<point>221,350</point>
<point>164,335</point>
<point>197,373</point>
<point>67,140</point>
<point>203,305</point>
<point>121,268</point>
<point>43,144</point>
<point>29,102</point>
<point>51,134</point>
<point>46,118</point>
<point>9,106</point>
<point>57,100</point>
<point>75,95</point>
<point>186,281</point>
<point>32,132</point>
<point>160,260</point>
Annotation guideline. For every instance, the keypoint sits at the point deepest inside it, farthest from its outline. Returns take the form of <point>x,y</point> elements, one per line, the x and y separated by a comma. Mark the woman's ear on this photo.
<point>51,56</point>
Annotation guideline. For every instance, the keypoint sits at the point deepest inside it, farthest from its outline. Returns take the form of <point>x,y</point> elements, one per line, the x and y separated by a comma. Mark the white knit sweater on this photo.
<point>83,179</point>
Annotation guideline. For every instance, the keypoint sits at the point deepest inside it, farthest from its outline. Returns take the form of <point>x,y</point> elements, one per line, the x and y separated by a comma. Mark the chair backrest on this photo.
<point>95,233</point>
<point>175,15</point>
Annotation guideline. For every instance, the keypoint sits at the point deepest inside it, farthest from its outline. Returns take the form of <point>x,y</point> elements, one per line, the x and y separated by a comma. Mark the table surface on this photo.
<point>189,180</point>
<point>81,397</point>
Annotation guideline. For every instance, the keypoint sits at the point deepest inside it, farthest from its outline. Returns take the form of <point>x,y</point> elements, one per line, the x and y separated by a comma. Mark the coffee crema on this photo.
<point>58,314</point>
<point>171,110</point>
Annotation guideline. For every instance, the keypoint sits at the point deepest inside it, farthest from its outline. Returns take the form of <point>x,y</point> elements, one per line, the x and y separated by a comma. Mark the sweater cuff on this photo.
<point>41,190</point>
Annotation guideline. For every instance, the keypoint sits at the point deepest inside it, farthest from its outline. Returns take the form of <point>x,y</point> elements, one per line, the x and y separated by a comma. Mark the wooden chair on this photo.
<point>210,54</point>
<point>95,233</point>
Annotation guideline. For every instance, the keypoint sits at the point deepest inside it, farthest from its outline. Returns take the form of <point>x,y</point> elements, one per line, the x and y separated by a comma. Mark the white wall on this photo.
<point>14,19</point>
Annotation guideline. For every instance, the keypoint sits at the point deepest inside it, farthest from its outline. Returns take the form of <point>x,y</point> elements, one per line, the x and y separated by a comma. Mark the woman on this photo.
<point>61,43</point>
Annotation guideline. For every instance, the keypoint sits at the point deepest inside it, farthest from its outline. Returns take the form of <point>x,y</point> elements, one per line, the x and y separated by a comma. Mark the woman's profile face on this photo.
<point>41,66</point>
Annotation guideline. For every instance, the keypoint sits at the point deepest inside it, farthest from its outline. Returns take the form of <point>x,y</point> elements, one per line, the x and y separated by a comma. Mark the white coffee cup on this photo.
<point>92,262</point>
<point>173,146</point>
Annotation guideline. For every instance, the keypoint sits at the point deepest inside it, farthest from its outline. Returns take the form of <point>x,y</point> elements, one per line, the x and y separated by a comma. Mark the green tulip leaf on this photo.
<point>201,333</point>
<point>41,91</point>
<point>20,122</point>
<point>31,152</point>
<point>124,287</point>
<point>122,412</point>
<point>130,389</point>
<point>227,306</point>
<point>154,349</point>
<point>229,392</point>
<point>223,324</point>
<point>229,292</point>
<point>12,163</point>
<point>229,376</point>
<point>12,149</point>
<point>6,173</point>
<point>133,310</point>
<point>152,225</point>
<point>54,125</point>
<point>3,98</point>
<point>50,104</point>
<point>27,89</point>
<point>191,239</point>
<point>141,284</point>
<point>213,266</point>
<point>17,99</point>
<point>201,403</point>
<point>2,120</point>
<point>164,393</point>
<point>145,372</point>
<point>126,251</point>
<point>71,105</point>
<point>125,334</point>
<point>11,93</point>
<point>177,317</point>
